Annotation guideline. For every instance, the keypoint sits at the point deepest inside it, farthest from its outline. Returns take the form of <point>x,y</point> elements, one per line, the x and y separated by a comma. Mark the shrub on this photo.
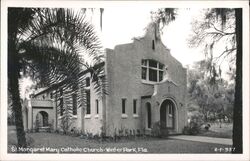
<point>75,132</point>
<point>65,124</point>
<point>126,133</point>
<point>103,133</point>
<point>96,137</point>
<point>89,135</point>
<point>157,131</point>
<point>192,129</point>
<point>138,132</point>
<point>83,136</point>
<point>207,126</point>
<point>143,132</point>
<point>37,125</point>
<point>120,132</point>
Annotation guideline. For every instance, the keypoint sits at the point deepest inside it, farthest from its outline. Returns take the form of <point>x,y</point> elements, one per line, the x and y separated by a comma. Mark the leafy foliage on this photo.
<point>51,45</point>
<point>164,16</point>
<point>215,34</point>
<point>223,27</point>
<point>213,99</point>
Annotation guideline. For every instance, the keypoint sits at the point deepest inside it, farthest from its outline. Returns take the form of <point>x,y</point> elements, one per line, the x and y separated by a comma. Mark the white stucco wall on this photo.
<point>124,77</point>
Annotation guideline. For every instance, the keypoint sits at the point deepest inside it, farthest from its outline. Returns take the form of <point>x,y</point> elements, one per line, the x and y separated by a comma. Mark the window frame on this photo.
<point>87,82</point>
<point>61,103</point>
<point>88,102</point>
<point>124,100</point>
<point>170,110</point>
<point>153,44</point>
<point>159,68</point>
<point>97,106</point>
<point>74,104</point>
<point>134,106</point>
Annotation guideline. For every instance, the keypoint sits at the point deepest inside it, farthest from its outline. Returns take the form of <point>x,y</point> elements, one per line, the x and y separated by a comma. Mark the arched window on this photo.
<point>151,70</point>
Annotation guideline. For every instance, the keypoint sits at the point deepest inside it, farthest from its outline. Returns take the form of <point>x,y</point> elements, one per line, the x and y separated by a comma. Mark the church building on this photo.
<point>146,86</point>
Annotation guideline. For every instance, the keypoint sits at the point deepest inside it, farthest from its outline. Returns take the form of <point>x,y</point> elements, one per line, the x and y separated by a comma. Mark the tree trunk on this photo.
<point>237,112</point>
<point>17,109</point>
<point>13,86</point>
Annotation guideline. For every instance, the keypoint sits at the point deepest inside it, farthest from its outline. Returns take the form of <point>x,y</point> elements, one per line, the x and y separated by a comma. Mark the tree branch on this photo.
<point>222,32</point>
<point>228,51</point>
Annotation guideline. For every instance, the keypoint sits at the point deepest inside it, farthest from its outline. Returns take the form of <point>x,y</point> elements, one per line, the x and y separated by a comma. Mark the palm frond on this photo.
<point>65,26</point>
<point>54,48</point>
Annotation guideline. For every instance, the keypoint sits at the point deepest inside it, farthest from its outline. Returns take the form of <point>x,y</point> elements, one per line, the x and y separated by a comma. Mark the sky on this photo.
<point>122,24</point>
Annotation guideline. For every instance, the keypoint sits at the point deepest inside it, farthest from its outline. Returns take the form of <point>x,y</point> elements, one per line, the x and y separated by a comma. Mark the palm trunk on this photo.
<point>13,75</point>
<point>237,112</point>
<point>17,109</point>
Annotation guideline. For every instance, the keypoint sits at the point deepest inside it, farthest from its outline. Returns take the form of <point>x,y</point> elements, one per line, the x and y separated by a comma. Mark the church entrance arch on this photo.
<point>42,119</point>
<point>168,114</point>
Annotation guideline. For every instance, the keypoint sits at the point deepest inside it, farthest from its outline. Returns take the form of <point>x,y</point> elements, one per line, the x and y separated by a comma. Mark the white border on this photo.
<point>95,4</point>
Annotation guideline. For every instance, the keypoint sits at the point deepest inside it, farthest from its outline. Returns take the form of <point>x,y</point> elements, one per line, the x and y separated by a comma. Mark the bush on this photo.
<point>37,125</point>
<point>83,136</point>
<point>75,132</point>
<point>207,126</point>
<point>65,124</point>
<point>192,129</point>
<point>157,131</point>
<point>138,132</point>
<point>103,132</point>
<point>11,120</point>
<point>89,135</point>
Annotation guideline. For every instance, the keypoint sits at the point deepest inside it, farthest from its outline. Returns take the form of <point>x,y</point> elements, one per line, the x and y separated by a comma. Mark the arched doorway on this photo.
<point>148,118</point>
<point>168,114</point>
<point>42,119</point>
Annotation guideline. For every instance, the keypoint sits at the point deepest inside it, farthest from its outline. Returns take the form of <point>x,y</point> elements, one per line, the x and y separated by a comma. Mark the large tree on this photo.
<point>223,27</point>
<point>49,45</point>
<point>213,99</point>
<point>220,26</point>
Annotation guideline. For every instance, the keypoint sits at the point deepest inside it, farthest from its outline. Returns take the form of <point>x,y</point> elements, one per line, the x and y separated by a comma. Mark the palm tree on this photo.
<point>49,45</point>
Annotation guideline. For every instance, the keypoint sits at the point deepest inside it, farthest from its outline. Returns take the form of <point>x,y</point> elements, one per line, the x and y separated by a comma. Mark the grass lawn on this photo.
<point>223,131</point>
<point>142,145</point>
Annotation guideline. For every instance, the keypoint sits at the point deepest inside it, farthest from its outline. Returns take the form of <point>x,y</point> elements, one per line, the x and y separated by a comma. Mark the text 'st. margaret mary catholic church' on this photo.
<point>146,86</point>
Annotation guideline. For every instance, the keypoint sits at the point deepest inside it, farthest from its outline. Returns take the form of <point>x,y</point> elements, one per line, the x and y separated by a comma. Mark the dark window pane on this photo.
<point>88,101</point>
<point>161,66</point>
<point>61,106</point>
<point>171,116</point>
<point>153,44</point>
<point>144,62</point>
<point>152,63</point>
<point>87,82</point>
<point>97,106</point>
<point>170,111</point>
<point>149,114</point>
<point>134,106</point>
<point>160,75</point>
<point>61,102</point>
<point>123,106</point>
<point>74,103</point>
<point>61,92</point>
<point>153,75</point>
<point>144,73</point>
